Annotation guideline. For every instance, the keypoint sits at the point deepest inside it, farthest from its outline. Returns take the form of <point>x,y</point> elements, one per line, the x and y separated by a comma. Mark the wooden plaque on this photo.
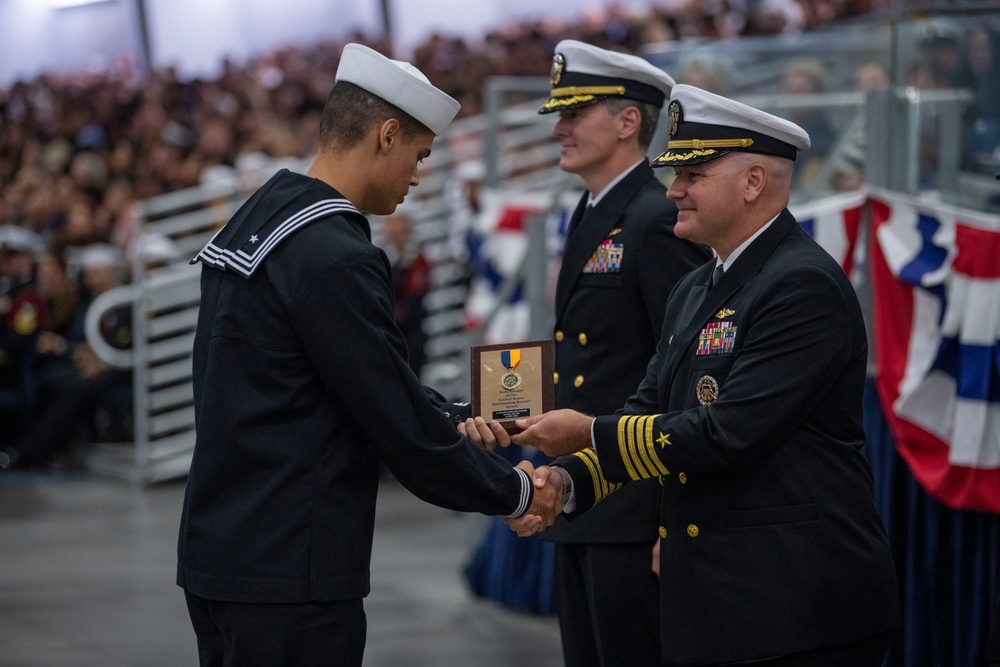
<point>512,380</point>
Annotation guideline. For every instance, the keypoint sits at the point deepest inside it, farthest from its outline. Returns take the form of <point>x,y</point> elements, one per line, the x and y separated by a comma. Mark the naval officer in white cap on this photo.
<point>771,549</point>
<point>620,260</point>
<point>301,386</point>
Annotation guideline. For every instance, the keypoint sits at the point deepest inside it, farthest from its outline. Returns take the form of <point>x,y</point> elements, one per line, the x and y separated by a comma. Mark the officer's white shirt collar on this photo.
<point>594,199</point>
<point>743,246</point>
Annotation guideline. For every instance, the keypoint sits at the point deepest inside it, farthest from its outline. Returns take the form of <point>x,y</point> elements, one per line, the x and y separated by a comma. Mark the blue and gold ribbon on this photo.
<point>510,358</point>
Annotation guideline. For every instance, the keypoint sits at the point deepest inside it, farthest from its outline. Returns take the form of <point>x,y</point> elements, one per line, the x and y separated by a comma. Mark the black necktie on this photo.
<point>716,276</point>
<point>575,224</point>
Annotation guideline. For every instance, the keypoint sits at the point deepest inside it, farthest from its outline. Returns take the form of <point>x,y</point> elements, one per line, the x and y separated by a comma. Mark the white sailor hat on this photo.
<point>99,254</point>
<point>398,83</point>
<point>583,74</point>
<point>704,126</point>
<point>14,238</point>
<point>154,247</point>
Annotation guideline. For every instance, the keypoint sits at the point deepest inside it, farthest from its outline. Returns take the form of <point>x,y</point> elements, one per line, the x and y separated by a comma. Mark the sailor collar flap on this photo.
<point>263,222</point>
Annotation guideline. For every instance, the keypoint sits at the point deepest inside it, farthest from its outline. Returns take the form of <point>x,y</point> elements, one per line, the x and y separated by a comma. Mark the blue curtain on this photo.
<point>946,560</point>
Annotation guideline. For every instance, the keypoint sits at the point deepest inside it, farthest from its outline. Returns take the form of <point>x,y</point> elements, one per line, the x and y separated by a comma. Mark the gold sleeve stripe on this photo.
<point>595,473</point>
<point>624,438</point>
<point>587,90</point>
<point>606,486</point>
<point>601,486</point>
<point>636,446</point>
<point>648,450</point>
<point>643,432</point>
<point>629,448</point>
<point>710,143</point>
<point>649,444</point>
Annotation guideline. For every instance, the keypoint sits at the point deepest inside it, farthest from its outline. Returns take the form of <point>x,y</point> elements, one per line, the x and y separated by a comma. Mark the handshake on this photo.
<point>556,433</point>
<point>546,504</point>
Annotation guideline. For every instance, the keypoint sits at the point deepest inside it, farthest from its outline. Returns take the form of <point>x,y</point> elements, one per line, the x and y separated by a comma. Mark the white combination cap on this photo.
<point>398,83</point>
<point>704,126</point>
<point>583,74</point>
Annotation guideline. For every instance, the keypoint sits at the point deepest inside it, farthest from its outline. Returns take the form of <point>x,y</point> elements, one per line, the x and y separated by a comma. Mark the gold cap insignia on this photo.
<point>674,114</point>
<point>725,312</point>
<point>707,390</point>
<point>558,65</point>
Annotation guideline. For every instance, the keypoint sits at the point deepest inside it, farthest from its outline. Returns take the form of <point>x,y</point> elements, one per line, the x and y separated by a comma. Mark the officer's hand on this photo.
<point>556,433</point>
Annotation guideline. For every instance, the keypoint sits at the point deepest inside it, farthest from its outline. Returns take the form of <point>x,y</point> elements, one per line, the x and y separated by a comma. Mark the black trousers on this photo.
<point>869,652</point>
<point>609,605</point>
<point>316,634</point>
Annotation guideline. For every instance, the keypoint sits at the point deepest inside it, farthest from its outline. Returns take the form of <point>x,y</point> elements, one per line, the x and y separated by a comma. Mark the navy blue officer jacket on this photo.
<point>618,267</point>
<point>751,415</point>
<point>301,383</point>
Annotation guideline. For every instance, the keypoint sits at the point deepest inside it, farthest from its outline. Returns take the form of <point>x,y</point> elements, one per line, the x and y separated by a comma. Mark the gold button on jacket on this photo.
<point>663,532</point>
<point>693,530</point>
<point>583,339</point>
<point>578,381</point>
<point>559,336</point>
<point>682,478</point>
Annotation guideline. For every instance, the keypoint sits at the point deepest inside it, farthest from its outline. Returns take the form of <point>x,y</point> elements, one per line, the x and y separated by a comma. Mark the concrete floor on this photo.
<point>87,580</point>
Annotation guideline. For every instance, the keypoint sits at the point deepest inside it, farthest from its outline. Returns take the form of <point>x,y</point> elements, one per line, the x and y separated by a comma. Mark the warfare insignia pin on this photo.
<point>674,113</point>
<point>707,390</point>
<point>616,230</point>
<point>558,65</point>
<point>725,312</point>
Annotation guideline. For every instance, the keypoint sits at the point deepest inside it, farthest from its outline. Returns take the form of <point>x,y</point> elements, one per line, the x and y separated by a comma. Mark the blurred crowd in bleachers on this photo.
<point>78,149</point>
